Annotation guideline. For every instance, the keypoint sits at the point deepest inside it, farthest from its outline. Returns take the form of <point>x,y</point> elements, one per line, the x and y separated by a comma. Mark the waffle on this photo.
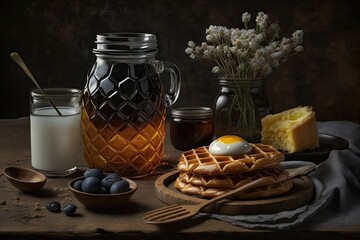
<point>256,192</point>
<point>277,173</point>
<point>200,161</point>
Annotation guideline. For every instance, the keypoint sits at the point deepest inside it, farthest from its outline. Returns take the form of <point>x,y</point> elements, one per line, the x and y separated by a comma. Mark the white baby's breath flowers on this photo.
<point>246,17</point>
<point>246,53</point>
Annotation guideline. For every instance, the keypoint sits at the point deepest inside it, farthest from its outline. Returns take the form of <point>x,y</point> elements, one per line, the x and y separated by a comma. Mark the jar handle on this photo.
<point>175,80</point>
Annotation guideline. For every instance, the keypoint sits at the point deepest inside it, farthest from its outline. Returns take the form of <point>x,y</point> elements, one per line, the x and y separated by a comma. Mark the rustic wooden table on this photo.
<point>23,215</point>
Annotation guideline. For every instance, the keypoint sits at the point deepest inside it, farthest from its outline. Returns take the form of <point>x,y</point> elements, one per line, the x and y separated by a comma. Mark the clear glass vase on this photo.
<point>239,108</point>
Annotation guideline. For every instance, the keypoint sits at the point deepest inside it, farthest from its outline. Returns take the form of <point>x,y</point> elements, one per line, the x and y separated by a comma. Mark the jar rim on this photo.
<point>241,81</point>
<point>56,92</point>
<point>192,112</point>
<point>125,37</point>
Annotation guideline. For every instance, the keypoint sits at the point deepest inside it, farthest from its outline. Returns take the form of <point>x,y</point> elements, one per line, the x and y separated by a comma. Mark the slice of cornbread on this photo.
<point>293,130</point>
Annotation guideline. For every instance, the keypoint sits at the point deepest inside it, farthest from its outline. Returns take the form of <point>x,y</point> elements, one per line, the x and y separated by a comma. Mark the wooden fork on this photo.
<point>294,172</point>
<point>175,213</point>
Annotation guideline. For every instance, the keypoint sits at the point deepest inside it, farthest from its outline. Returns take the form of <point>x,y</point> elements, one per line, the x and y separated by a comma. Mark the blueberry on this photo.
<point>107,183</point>
<point>94,172</point>
<point>77,185</point>
<point>70,209</point>
<point>120,186</point>
<point>53,206</point>
<point>114,176</point>
<point>91,185</point>
<point>109,180</point>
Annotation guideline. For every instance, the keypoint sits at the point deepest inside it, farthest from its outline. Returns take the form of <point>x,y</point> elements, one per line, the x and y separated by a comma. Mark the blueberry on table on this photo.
<point>94,172</point>
<point>91,185</point>
<point>120,186</point>
<point>77,185</point>
<point>70,209</point>
<point>53,206</point>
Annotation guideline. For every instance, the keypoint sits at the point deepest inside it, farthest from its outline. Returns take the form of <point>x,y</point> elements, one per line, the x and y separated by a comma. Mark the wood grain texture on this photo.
<point>23,215</point>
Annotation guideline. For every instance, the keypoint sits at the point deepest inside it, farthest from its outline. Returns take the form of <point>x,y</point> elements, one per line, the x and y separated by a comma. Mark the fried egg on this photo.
<point>229,145</point>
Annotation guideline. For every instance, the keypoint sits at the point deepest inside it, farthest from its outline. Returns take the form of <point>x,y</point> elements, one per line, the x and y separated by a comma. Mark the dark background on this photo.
<point>56,37</point>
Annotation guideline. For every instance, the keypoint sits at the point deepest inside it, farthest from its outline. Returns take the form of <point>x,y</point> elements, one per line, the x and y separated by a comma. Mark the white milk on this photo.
<point>55,140</point>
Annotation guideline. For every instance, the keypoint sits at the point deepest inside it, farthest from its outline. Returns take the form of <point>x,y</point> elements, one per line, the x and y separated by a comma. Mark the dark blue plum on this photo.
<point>53,206</point>
<point>77,185</point>
<point>120,186</point>
<point>94,172</point>
<point>70,209</point>
<point>91,185</point>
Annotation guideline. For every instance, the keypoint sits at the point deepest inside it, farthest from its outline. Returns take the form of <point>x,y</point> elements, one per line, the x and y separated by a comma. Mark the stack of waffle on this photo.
<point>203,174</point>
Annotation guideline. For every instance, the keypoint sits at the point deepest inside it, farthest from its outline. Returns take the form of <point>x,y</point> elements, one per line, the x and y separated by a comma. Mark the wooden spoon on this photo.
<point>25,179</point>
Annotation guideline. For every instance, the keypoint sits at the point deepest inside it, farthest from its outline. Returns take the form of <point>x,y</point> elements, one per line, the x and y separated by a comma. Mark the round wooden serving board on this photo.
<point>301,194</point>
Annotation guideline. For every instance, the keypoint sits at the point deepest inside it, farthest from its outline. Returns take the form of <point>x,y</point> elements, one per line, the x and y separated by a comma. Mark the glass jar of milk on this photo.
<point>55,139</point>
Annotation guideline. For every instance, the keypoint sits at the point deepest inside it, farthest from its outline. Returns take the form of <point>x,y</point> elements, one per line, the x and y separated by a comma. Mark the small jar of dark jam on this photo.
<point>191,127</point>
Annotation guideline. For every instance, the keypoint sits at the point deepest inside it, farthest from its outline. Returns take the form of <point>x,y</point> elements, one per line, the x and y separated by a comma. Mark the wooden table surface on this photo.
<point>23,215</point>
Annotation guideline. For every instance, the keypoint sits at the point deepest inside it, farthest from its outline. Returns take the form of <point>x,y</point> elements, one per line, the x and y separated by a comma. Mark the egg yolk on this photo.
<point>228,139</point>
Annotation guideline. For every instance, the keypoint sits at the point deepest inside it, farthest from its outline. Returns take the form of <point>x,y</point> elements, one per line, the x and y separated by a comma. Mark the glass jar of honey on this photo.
<point>124,104</point>
<point>191,127</point>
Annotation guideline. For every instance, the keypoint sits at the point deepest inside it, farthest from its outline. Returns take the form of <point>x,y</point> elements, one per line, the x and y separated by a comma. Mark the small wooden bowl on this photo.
<point>24,179</point>
<point>93,200</point>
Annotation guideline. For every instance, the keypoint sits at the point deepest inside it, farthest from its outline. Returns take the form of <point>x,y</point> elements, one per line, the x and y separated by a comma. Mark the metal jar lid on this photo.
<point>123,43</point>
<point>192,112</point>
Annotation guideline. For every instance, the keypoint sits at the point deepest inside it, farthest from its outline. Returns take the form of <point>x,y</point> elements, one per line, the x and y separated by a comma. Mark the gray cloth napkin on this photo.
<point>337,184</point>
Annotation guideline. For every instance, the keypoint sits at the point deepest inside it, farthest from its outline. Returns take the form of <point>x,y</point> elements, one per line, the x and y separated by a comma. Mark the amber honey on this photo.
<point>124,127</point>
<point>191,127</point>
<point>130,149</point>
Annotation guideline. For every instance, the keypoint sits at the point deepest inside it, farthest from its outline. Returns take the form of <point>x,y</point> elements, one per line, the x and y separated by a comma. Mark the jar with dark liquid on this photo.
<point>191,127</point>
<point>124,104</point>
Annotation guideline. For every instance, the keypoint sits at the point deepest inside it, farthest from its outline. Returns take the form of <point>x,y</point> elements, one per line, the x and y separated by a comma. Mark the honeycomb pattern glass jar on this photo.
<point>124,102</point>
